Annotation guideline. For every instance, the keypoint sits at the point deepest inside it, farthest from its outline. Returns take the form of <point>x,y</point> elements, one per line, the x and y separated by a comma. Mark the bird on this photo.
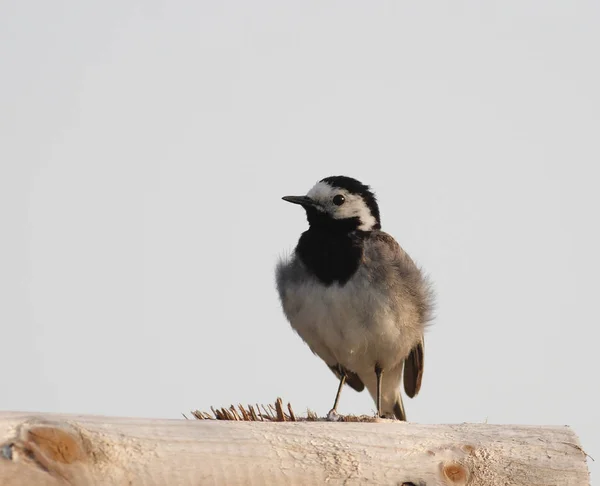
<point>355,297</point>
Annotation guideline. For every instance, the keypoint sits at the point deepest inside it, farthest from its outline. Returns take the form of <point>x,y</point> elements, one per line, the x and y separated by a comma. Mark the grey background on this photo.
<point>145,147</point>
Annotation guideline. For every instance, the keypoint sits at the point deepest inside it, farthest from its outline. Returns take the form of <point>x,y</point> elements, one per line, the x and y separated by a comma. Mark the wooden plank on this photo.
<point>46,449</point>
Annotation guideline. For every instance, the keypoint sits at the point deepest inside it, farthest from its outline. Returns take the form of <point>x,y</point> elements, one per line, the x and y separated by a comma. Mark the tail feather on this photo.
<point>391,401</point>
<point>399,412</point>
<point>395,408</point>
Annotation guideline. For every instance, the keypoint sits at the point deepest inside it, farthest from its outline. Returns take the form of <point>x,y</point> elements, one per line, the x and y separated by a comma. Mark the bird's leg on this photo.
<point>332,415</point>
<point>339,392</point>
<point>379,373</point>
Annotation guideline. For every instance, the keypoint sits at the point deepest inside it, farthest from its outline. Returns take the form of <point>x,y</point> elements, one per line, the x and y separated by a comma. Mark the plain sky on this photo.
<point>145,147</point>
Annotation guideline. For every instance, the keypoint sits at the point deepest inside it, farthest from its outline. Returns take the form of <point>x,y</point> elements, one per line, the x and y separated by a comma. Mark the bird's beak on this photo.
<point>302,200</point>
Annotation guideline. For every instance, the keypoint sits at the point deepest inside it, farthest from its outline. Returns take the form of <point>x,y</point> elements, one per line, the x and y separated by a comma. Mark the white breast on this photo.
<point>353,325</point>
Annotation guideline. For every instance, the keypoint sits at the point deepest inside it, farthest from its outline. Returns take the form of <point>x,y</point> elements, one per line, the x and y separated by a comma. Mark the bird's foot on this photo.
<point>333,416</point>
<point>384,416</point>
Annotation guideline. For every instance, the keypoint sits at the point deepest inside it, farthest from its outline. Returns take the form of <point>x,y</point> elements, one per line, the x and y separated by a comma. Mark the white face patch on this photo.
<point>353,207</point>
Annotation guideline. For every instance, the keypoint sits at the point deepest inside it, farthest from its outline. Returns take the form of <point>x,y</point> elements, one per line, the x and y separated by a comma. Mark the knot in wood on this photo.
<point>58,445</point>
<point>455,473</point>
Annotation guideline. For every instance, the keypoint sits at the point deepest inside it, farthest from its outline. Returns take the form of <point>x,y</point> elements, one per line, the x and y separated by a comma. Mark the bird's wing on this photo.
<point>352,379</point>
<point>390,264</point>
<point>399,271</point>
<point>413,369</point>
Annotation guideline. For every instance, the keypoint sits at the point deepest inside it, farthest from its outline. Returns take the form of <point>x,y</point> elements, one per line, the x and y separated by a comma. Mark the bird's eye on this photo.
<point>338,199</point>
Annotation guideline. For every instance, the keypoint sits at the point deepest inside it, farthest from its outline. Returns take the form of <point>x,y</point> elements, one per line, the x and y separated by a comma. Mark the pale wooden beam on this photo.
<point>44,449</point>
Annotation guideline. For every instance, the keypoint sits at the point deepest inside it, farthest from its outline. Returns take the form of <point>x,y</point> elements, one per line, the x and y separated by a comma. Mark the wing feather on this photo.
<point>413,369</point>
<point>352,379</point>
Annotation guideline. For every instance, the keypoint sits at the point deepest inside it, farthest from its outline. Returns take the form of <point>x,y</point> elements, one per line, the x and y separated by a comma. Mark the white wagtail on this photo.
<point>354,295</point>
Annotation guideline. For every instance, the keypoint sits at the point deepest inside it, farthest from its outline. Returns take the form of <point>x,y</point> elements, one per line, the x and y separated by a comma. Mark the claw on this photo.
<point>333,416</point>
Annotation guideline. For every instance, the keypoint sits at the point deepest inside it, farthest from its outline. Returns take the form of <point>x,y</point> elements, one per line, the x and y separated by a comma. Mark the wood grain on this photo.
<point>45,449</point>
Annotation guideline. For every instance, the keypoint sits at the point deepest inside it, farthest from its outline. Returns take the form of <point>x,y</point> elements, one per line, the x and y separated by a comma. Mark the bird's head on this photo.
<point>340,203</point>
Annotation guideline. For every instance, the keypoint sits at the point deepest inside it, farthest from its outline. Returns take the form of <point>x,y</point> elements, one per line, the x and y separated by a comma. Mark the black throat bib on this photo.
<point>332,249</point>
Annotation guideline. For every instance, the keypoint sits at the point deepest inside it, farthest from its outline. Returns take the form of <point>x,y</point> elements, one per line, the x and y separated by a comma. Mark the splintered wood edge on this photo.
<point>272,413</point>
